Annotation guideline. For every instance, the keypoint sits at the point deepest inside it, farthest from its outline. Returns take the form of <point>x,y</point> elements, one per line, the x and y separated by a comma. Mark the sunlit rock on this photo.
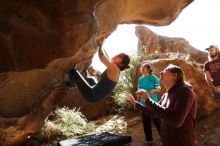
<point>151,43</point>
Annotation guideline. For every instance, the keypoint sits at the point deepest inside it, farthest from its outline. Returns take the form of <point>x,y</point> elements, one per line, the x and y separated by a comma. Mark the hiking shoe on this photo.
<point>149,143</point>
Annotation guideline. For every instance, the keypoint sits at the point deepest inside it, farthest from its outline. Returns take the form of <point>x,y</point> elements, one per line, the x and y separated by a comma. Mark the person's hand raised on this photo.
<point>130,98</point>
<point>142,94</point>
<point>152,92</point>
<point>100,40</point>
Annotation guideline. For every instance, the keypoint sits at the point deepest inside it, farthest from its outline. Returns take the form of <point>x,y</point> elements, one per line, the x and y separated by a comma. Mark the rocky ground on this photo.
<point>207,130</point>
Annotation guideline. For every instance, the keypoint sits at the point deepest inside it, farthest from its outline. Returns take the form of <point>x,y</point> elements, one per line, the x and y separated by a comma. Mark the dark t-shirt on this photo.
<point>214,68</point>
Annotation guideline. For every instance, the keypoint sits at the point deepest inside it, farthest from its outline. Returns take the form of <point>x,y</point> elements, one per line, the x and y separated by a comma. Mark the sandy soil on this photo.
<point>207,130</point>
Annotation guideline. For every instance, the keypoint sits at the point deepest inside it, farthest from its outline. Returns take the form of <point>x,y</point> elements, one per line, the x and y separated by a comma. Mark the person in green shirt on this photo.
<point>151,83</point>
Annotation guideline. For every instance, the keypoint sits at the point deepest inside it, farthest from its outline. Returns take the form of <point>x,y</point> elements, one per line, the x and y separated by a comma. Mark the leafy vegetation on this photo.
<point>126,82</point>
<point>177,55</point>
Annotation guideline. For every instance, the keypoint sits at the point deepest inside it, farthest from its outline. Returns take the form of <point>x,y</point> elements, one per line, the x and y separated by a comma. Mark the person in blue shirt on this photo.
<point>151,83</point>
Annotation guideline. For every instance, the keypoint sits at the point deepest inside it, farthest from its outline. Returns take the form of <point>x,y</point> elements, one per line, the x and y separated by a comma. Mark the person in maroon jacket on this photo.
<point>177,108</point>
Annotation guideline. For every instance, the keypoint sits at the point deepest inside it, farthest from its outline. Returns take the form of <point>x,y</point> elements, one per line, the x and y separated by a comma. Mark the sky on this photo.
<point>199,23</point>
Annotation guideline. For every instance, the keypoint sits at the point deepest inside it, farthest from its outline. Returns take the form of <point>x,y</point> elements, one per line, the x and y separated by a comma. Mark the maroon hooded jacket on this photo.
<point>177,110</point>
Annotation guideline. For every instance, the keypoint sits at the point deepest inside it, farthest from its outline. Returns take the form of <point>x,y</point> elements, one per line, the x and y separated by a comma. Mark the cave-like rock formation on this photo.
<point>151,43</point>
<point>59,28</point>
<point>41,39</point>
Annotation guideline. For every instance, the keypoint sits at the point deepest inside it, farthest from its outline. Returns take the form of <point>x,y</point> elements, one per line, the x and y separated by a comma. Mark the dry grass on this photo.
<point>71,123</point>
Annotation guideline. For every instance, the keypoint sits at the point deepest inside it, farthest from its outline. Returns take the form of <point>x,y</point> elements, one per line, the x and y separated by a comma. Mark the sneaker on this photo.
<point>149,143</point>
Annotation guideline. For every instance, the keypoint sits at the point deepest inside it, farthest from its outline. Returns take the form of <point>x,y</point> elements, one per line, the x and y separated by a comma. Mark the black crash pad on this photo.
<point>103,139</point>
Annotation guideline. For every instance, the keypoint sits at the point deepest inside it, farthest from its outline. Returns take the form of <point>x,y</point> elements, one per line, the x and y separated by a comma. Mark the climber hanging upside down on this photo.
<point>108,80</point>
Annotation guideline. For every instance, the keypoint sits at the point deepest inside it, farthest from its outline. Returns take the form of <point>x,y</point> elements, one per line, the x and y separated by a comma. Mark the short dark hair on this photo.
<point>145,65</point>
<point>125,61</point>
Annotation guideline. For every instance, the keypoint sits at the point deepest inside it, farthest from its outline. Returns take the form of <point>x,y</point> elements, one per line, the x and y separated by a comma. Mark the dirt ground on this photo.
<point>207,130</point>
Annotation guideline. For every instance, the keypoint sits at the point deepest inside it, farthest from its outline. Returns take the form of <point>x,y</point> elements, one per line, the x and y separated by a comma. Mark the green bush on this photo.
<point>127,81</point>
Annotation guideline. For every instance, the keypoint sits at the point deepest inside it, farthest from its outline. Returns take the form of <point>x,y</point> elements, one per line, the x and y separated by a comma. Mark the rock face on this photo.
<point>52,29</point>
<point>151,43</point>
<point>39,41</point>
<point>195,77</point>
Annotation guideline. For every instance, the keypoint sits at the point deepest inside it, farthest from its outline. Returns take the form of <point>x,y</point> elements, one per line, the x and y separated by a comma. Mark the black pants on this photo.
<point>91,90</point>
<point>85,85</point>
<point>147,126</point>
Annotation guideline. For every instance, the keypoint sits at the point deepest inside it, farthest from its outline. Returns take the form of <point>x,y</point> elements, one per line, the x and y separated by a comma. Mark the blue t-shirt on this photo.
<point>148,83</point>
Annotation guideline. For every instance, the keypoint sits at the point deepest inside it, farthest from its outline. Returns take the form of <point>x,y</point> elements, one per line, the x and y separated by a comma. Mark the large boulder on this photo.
<point>151,43</point>
<point>39,42</point>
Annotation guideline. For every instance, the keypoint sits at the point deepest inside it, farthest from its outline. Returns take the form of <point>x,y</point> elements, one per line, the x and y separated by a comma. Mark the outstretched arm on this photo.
<point>104,57</point>
<point>174,116</point>
<point>139,106</point>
